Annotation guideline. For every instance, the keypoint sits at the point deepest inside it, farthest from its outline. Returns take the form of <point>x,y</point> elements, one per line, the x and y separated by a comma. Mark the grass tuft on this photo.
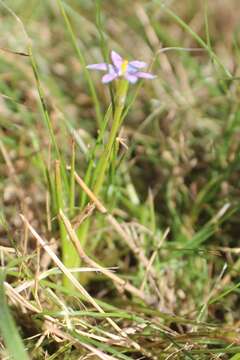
<point>119,218</point>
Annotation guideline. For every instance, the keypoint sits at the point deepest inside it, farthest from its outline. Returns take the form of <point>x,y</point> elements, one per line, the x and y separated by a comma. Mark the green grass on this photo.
<point>8,328</point>
<point>148,191</point>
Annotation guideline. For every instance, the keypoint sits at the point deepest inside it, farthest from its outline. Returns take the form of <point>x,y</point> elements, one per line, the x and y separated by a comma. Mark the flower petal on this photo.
<point>131,78</point>
<point>101,66</point>
<point>109,77</point>
<point>137,64</point>
<point>131,69</point>
<point>145,75</point>
<point>111,69</point>
<point>116,60</point>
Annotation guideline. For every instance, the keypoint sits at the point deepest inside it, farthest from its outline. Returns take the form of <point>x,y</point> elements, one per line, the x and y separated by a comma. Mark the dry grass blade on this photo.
<point>99,353</point>
<point>153,257</point>
<point>7,159</point>
<point>62,335</point>
<point>25,304</point>
<point>16,297</point>
<point>30,283</point>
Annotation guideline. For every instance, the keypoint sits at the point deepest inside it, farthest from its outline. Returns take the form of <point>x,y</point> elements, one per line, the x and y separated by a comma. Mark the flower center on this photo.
<point>124,67</point>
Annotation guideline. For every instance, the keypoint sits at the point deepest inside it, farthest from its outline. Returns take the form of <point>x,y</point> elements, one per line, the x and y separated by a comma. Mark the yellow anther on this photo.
<point>124,66</point>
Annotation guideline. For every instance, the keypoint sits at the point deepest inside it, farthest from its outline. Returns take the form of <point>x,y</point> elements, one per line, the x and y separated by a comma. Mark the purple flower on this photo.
<point>122,68</point>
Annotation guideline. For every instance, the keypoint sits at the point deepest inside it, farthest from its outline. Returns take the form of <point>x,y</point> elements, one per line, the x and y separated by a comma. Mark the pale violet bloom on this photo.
<point>130,70</point>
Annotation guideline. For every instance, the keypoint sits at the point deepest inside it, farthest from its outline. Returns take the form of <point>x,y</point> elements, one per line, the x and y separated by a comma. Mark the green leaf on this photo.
<point>236,357</point>
<point>8,328</point>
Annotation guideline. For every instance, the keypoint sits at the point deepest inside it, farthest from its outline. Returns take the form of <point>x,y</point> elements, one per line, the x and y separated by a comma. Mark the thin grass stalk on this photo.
<point>100,172</point>
<point>83,230</point>
<point>70,257</point>
<point>42,101</point>
<point>46,117</point>
<point>72,181</point>
<point>82,62</point>
<point>198,39</point>
<point>102,42</point>
<point>92,156</point>
<point>102,166</point>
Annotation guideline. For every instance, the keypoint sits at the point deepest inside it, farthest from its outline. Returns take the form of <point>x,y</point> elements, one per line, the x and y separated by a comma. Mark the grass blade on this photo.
<point>8,328</point>
<point>82,62</point>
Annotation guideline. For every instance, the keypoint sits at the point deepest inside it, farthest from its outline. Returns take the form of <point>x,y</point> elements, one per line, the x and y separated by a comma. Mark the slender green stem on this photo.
<point>92,156</point>
<point>46,117</point>
<point>99,174</point>
<point>101,168</point>
<point>70,257</point>
<point>83,230</point>
<point>82,62</point>
<point>72,181</point>
<point>198,39</point>
<point>60,205</point>
<point>43,104</point>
